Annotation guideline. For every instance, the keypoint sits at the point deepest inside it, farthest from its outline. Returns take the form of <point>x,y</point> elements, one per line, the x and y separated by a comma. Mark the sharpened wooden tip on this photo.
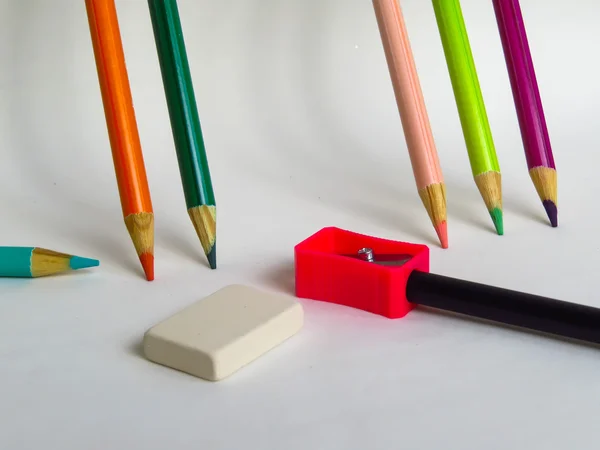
<point>434,200</point>
<point>141,230</point>
<point>46,262</point>
<point>546,184</point>
<point>490,188</point>
<point>204,218</point>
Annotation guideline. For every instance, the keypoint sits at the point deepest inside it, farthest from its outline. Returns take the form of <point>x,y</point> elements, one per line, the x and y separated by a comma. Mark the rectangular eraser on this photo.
<point>223,332</point>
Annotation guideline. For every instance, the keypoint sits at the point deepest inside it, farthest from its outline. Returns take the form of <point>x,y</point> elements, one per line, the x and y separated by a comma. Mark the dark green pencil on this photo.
<point>185,124</point>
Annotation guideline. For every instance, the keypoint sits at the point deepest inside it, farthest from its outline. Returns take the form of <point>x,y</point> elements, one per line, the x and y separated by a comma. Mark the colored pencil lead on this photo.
<point>78,262</point>
<point>442,232</point>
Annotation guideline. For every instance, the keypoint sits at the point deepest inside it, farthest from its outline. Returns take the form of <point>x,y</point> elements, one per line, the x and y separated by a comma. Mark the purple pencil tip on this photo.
<point>552,212</point>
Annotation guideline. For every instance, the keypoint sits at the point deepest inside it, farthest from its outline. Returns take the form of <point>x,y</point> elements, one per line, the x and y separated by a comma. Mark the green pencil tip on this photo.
<point>77,262</point>
<point>212,256</point>
<point>496,215</point>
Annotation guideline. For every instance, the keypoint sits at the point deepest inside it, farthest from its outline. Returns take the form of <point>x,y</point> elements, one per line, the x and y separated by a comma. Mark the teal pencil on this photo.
<point>33,262</point>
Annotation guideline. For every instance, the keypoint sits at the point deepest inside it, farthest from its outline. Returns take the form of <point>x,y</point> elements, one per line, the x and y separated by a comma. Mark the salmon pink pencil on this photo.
<point>528,104</point>
<point>413,113</point>
<point>122,129</point>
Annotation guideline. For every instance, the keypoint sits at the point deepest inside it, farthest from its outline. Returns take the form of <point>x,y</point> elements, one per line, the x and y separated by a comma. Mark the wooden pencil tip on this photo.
<point>434,200</point>
<point>147,260</point>
<point>141,230</point>
<point>552,212</point>
<point>442,232</point>
<point>490,188</point>
<point>204,219</point>
<point>545,182</point>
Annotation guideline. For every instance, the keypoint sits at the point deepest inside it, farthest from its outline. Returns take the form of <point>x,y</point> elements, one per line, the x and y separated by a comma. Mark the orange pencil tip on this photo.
<point>147,260</point>
<point>442,232</point>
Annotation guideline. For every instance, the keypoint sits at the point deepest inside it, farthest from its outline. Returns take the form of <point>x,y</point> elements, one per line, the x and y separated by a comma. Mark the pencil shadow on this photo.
<point>109,249</point>
<point>403,218</point>
<point>281,277</point>
<point>324,156</point>
<point>516,205</point>
<point>179,245</point>
<point>136,348</point>
<point>465,203</point>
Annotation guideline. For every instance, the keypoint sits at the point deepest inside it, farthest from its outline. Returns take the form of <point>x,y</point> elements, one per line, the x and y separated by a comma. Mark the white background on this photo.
<point>302,132</point>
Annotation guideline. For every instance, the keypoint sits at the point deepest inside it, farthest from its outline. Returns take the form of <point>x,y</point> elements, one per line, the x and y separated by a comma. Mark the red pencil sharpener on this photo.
<point>327,269</point>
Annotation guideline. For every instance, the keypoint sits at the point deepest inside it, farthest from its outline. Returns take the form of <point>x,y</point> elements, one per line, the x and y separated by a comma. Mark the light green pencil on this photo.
<point>471,109</point>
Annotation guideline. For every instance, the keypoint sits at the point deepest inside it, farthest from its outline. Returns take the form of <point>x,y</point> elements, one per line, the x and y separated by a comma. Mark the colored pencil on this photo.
<point>185,123</point>
<point>33,262</point>
<point>526,95</point>
<point>470,105</point>
<point>122,129</point>
<point>413,113</point>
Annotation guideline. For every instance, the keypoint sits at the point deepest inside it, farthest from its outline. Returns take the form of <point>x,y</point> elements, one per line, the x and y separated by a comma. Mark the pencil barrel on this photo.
<point>181,103</point>
<point>118,107</point>
<point>408,93</point>
<point>504,306</point>
<point>465,84</point>
<point>15,261</point>
<point>526,95</point>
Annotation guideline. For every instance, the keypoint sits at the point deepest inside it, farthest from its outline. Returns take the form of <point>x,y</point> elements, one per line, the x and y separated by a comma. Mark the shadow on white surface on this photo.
<point>280,277</point>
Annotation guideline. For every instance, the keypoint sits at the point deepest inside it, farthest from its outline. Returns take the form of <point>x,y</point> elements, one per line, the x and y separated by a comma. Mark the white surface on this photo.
<point>224,332</point>
<point>302,132</point>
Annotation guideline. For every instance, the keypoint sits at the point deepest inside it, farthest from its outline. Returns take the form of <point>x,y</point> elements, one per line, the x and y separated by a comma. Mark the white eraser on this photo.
<point>218,335</point>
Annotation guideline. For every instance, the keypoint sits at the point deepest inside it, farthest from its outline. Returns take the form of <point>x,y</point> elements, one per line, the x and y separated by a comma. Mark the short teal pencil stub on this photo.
<point>78,262</point>
<point>15,262</point>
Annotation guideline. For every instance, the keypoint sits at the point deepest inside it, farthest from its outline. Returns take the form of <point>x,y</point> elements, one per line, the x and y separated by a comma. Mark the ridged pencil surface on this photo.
<point>120,118</point>
<point>413,112</point>
<point>528,103</point>
<point>185,121</point>
<point>470,105</point>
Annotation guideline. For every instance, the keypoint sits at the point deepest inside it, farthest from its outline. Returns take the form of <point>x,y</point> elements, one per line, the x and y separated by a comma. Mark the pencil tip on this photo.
<point>78,262</point>
<point>147,260</point>
<point>204,218</point>
<point>442,232</point>
<point>496,215</point>
<point>212,256</point>
<point>141,230</point>
<point>552,212</point>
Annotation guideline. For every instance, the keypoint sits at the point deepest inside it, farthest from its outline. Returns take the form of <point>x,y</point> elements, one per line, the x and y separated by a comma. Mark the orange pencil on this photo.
<point>122,129</point>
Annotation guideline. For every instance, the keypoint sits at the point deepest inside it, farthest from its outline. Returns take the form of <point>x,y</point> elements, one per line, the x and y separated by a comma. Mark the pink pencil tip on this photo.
<point>442,232</point>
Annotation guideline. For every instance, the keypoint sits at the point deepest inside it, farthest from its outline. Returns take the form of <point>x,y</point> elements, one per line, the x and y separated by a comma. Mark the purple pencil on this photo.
<point>528,104</point>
